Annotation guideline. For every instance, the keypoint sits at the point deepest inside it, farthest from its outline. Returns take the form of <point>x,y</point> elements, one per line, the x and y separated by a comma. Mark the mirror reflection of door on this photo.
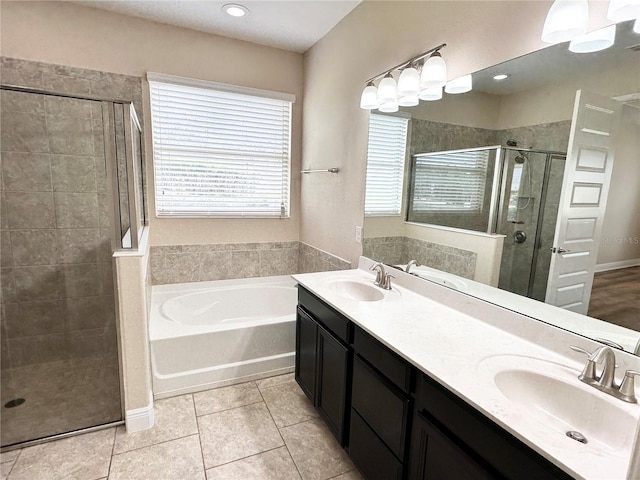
<point>583,201</point>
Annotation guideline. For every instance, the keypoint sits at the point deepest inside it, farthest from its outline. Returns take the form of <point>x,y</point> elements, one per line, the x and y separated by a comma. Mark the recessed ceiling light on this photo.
<point>235,10</point>
<point>501,76</point>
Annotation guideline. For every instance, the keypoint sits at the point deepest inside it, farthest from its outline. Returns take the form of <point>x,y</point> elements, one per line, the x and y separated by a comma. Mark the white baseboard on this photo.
<point>140,419</point>
<point>605,267</point>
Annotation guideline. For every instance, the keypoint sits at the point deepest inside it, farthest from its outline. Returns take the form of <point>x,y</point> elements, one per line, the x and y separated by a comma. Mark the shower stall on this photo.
<point>71,195</point>
<point>504,190</point>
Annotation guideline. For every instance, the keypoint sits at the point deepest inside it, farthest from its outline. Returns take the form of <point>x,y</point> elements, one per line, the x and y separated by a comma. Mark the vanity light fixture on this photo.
<point>416,76</point>
<point>459,85</point>
<point>566,20</point>
<point>501,76</point>
<point>622,10</point>
<point>594,41</point>
<point>235,9</point>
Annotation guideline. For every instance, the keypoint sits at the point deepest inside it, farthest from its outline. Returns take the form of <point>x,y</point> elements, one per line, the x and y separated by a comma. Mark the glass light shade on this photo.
<point>459,85</point>
<point>408,101</point>
<point>387,90</point>
<point>621,10</point>
<point>409,83</point>
<point>636,26</point>
<point>594,41</point>
<point>431,94</point>
<point>389,107</point>
<point>566,20</point>
<point>434,72</point>
<point>369,98</point>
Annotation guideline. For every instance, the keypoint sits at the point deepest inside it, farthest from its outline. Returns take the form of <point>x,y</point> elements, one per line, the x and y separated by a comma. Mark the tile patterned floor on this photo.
<point>264,430</point>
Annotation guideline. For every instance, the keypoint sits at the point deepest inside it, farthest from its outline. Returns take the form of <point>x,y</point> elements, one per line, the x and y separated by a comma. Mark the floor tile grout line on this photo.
<point>154,444</point>
<point>244,458</point>
<point>113,447</point>
<point>284,442</point>
<point>195,413</point>
<point>227,409</point>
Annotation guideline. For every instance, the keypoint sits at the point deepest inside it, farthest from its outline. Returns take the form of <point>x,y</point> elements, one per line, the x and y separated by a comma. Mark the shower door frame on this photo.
<point>110,167</point>
<point>549,154</point>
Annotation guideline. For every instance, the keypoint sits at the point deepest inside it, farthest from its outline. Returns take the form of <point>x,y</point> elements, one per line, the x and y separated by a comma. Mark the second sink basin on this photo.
<point>551,395</point>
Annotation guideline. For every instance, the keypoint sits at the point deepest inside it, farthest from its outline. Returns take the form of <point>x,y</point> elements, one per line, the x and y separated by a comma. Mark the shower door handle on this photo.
<point>559,250</point>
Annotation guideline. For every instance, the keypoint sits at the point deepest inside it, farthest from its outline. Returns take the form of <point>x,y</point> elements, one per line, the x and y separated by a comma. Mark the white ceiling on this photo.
<point>291,25</point>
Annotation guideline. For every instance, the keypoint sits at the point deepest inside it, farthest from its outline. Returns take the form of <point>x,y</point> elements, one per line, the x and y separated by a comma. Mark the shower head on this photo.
<point>520,158</point>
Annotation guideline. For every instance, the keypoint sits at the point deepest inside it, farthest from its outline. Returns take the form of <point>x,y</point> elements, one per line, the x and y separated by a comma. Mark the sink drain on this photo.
<point>16,402</point>
<point>577,436</point>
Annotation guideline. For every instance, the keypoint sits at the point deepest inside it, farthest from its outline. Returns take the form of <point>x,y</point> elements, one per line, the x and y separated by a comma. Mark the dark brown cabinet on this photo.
<point>396,422</point>
<point>322,367</point>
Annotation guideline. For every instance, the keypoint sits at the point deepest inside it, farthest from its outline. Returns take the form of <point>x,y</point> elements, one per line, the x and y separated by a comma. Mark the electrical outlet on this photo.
<point>358,234</point>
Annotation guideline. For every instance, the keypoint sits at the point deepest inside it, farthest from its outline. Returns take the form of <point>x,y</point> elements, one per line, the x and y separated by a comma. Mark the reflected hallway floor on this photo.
<point>259,430</point>
<point>615,297</point>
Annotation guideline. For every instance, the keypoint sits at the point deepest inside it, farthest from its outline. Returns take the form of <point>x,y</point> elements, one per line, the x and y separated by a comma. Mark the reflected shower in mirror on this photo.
<point>484,183</point>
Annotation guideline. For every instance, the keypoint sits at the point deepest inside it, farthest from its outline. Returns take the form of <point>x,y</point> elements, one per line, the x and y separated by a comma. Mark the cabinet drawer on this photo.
<point>497,447</point>
<point>369,454</point>
<point>381,405</point>
<point>335,322</point>
<point>384,360</point>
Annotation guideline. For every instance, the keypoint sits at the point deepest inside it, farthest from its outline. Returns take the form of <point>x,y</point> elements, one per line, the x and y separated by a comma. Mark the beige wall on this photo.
<point>373,37</point>
<point>66,34</point>
<point>621,229</point>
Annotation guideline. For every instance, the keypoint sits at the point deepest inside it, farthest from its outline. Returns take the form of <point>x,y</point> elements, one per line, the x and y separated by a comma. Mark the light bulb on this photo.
<point>566,20</point>
<point>408,101</point>
<point>459,85</point>
<point>434,72</point>
<point>389,107</point>
<point>387,90</point>
<point>369,98</point>
<point>621,10</point>
<point>409,82</point>
<point>594,41</point>
<point>431,94</point>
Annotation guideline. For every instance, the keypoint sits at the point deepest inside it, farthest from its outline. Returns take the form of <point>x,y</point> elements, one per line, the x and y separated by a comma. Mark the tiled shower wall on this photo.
<point>223,261</point>
<point>399,250</point>
<point>57,270</point>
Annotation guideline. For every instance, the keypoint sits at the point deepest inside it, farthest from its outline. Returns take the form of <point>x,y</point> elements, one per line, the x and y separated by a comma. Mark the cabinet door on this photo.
<point>306,353</point>
<point>333,361</point>
<point>434,456</point>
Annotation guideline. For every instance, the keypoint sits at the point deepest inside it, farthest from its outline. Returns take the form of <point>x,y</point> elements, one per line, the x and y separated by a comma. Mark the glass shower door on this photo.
<point>59,365</point>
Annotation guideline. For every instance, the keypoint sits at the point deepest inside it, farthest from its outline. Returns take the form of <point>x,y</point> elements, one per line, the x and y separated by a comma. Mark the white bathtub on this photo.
<point>210,334</point>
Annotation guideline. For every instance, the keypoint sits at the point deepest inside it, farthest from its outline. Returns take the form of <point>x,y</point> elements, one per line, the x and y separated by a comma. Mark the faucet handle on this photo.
<point>588,374</point>
<point>387,281</point>
<point>627,390</point>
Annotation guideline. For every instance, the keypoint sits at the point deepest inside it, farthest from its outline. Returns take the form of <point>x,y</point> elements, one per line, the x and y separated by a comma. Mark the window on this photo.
<point>450,181</point>
<point>219,150</point>
<point>385,165</point>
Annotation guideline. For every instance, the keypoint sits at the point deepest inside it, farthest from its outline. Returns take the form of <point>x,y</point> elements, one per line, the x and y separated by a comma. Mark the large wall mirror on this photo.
<point>526,185</point>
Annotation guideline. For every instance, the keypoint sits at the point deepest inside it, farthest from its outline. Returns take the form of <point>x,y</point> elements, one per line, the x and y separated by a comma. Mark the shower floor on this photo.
<point>60,396</point>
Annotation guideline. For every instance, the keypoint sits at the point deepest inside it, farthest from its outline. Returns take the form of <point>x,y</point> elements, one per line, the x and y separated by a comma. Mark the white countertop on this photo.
<point>432,333</point>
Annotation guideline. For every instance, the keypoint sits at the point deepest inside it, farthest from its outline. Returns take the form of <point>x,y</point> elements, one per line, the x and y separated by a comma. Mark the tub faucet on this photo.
<point>409,265</point>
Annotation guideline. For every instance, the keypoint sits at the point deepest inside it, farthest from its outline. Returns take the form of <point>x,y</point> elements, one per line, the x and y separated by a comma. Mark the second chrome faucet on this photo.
<point>605,382</point>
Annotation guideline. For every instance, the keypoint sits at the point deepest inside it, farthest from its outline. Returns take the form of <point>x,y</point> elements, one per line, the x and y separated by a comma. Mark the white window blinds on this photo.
<point>450,181</point>
<point>220,152</point>
<point>385,165</point>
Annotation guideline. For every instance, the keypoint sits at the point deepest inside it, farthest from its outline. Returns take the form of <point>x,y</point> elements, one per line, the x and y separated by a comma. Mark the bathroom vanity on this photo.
<point>410,387</point>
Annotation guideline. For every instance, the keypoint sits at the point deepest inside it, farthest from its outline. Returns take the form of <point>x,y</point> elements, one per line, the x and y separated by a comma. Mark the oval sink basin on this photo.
<point>551,395</point>
<point>354,290</point>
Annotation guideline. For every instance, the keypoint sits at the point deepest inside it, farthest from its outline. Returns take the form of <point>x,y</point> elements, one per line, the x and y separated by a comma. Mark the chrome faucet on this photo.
<point>606,381</point>
<point>409,265</point>
<point>383,279</point>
